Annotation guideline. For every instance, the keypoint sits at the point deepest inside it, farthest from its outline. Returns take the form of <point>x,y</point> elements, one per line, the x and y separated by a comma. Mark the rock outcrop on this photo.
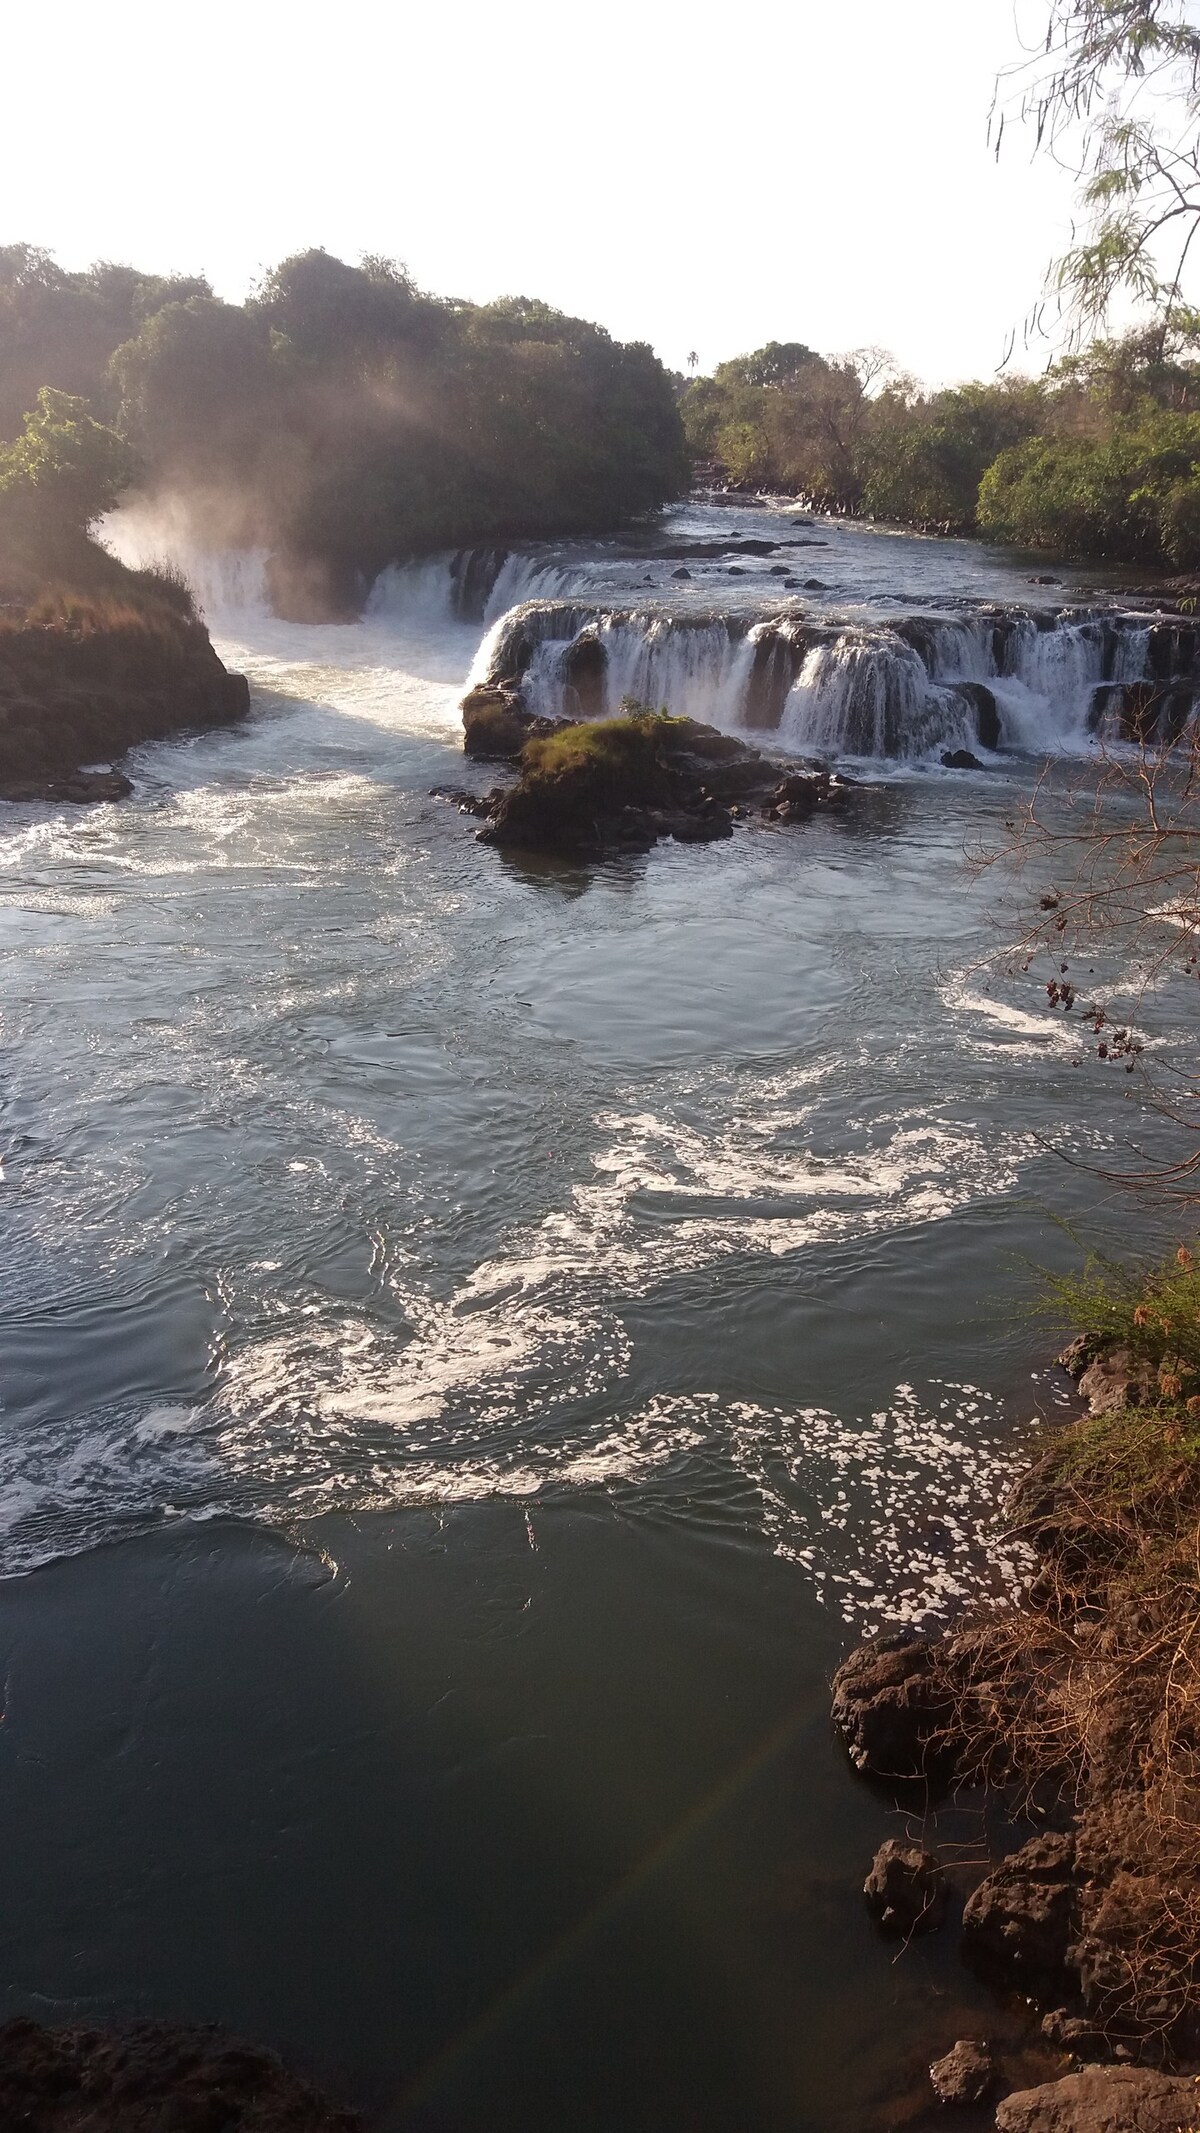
<point>619,784</point>
<point>891,1708</point>
<point>1022,1922</point>
<point>1113,2099</point>
<point>70,698</point>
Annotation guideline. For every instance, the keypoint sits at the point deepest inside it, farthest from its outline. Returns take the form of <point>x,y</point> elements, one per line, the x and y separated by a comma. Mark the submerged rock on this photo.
<point>1111,2099</point>
<point>965,2074</point>
<point>906,1889</point>
<point>153,2077</point>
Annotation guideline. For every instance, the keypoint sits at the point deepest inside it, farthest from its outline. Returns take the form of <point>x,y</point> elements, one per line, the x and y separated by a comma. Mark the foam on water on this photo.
<point>294,1073</point>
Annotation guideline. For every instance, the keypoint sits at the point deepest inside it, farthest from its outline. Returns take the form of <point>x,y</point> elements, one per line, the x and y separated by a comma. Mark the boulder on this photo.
<point>1020,1925</point>
<point>1116,1379</point>
<point>965,2074</point>
<point>798,796</point>
<point>906,1889</point>
<point>1110,2099</point>
<point>960,759</point>
<point>893,1709</point>
<point>496,724</point>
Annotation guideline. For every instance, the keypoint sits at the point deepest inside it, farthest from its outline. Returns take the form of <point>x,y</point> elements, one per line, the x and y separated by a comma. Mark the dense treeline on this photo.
<point>343,416</point>
<point>1100,457</point>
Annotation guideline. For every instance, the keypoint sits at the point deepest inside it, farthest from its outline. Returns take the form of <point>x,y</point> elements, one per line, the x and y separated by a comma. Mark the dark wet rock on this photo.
<point>778,570</point>
<point>152,2077</point>
<point>1111,2099</point>
<point>585,670</point>
<point>682,572</point>
<point>735,571</point>
<point>892,1708</point>
<point>468,803</point>
<point>84,788</point>
<point>1079,1352</point>
<point>1044,579</point>
<point>965,2074</point>
<point>1021,1923</point>
<point>802,792</point>
<point>906,1889</point>
<point>815,585</point>
<point>1074,2033</point>
<point>778,657</point>
<point>987,712</point>
<point>960,759</point>
<point>685,551</point>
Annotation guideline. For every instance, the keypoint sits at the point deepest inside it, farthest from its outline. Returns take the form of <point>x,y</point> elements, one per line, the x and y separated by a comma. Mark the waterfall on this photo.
<point>865,695</point>
<point>904,689</point>
<point>225,581</point>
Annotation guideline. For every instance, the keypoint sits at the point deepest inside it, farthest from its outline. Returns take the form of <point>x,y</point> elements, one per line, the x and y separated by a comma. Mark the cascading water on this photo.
<point>905,689</point>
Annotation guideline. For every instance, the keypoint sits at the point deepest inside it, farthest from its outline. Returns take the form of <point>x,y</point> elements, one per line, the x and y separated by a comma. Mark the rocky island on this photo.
<point>622,783</point>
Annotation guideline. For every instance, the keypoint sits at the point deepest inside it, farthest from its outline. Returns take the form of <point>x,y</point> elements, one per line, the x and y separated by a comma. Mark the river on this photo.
<point>481,1337</point>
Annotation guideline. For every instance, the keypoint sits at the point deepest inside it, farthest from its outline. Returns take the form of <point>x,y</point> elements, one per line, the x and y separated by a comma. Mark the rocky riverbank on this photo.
<point>1077,1714</point>
<point>621,784</point>
<point>153,2077</point>
<point>86,676</point>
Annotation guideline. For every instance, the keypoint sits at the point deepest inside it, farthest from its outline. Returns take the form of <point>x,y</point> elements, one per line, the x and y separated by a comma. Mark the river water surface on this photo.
<point>481,1337</point>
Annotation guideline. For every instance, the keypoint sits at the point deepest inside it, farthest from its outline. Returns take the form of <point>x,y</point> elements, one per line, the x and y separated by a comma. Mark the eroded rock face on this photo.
<point>906,1889</point>
<point>66,700</point>
<point>965,2074</point>
<point>1022,1922</point>
<point>152,2077</point>
<point>1111,2099</point>
<point>892,1709</point>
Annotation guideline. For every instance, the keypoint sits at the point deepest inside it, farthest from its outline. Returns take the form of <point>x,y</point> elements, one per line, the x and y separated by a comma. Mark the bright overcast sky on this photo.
<point>700,176</point>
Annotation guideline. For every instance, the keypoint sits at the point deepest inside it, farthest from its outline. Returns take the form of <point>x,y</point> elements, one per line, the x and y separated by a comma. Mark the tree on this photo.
<point>63,472</point>
<point>1115,95</point>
